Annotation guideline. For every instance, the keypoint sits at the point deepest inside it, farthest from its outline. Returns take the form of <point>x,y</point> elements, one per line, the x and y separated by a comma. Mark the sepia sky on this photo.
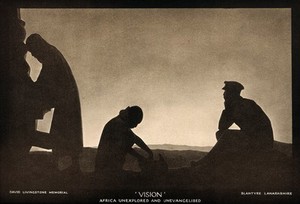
<point>173,64</point>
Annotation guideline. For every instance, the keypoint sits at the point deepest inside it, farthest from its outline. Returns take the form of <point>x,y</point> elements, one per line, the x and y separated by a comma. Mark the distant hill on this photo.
<point>282,147</point>
<point>285,148</point>
<point>180,147</point>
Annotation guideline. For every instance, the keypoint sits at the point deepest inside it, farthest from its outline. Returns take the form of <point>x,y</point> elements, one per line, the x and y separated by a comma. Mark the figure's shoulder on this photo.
<point>250,104</point>
<point>248,101</point>
<point>55,55</point>
<point>112,121</point>
<point>116,122</point>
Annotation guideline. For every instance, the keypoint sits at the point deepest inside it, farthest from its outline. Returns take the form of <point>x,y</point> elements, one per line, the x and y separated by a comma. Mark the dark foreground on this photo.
<point>267,178</point>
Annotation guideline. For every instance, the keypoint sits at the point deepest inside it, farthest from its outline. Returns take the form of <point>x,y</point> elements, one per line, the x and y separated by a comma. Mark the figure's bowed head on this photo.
<point>38,47</point>
<point>134,116</point>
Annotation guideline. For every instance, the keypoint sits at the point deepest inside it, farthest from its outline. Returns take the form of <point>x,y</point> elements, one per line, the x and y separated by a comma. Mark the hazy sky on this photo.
<point>172,63</point>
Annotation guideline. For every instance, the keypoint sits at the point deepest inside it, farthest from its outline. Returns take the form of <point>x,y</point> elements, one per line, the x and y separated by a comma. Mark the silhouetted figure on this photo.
<point>17,65</point>
<point>255,132</point>
<point>21,117</point>
<point>255,125</point>
<point>24,101</point>
<point>22,109</point>
<point>58,88</point>
<point>117,140</point>
<point>13,34</point>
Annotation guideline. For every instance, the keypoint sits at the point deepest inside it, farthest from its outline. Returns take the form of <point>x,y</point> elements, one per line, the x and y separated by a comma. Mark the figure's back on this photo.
<point>253,120</point>
<point>110,153</point>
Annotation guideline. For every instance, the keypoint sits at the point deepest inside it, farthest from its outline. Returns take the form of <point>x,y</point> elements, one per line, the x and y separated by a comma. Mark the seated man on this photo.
<point>255,127</point>
<point>117,140</point>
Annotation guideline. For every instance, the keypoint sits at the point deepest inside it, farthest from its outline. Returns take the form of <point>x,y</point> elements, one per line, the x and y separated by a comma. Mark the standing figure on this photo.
<point>58,89</point>
<point>24,101</point>
<point>21,108</point>
<point>117,140</point>
<point>15,83</point>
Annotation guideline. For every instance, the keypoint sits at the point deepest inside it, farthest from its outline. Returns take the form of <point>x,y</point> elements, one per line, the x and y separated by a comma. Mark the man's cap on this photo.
<point>233,86</point>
